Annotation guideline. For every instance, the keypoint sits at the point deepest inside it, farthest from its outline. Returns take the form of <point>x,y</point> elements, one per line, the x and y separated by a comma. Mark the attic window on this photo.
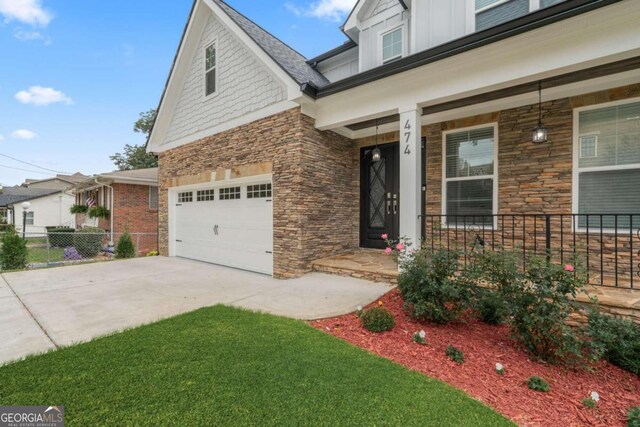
<point>210,69</point>
<point>392,45</point>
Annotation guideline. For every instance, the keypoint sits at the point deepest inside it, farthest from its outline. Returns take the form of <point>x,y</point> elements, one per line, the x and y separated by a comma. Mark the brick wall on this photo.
<point>311,209</point>
<point>131,213</point>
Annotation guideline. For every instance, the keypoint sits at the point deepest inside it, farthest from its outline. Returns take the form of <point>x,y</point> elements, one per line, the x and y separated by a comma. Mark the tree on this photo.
<point>136,156</point>
<point>145,123</point>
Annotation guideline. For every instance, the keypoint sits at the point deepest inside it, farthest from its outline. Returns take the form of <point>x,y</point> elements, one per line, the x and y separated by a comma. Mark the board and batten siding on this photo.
<point>438,22</point>
<point>341,66</point>
<point>244,85</point>
<point>371,30</point>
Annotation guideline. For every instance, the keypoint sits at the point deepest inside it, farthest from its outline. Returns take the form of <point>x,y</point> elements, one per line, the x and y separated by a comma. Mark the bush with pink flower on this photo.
<point>396,248</point>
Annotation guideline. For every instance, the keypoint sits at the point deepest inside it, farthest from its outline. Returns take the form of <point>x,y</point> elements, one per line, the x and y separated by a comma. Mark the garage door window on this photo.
<point>258,191</point>
<point>205,196</point>
<point>230,193</point>
<point>185,197</point>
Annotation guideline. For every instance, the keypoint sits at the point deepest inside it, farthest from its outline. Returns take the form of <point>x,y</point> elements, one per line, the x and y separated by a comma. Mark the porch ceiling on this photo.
<point>530,87</point>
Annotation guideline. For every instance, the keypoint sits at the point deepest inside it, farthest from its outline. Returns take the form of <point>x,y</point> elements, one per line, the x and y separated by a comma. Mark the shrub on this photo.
<point>98,212</point>
<point>633,417</point>
<point>455,354</point>
<point>539,301</point>
<point>14,254</point>
<point>59,237</point>
<point>7,227</point>
<point>125,247</point>
<point>618,339</point>
<point>491,307</point>
<point>538,384</point>
<point>377,319</point>
<point>431,288</point>
<point>79,209</point>
<point>88,241</point>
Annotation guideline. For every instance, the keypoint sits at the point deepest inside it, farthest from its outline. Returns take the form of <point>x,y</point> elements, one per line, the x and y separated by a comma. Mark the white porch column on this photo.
<point>410,174</point>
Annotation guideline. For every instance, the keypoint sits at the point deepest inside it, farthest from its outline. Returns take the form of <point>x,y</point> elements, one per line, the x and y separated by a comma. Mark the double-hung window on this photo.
<point>470,180</point>
<point>392,45</point>
<point>607,165</point>
<point>153,198</point>
<point>210,69</point>
<point>30,218</point>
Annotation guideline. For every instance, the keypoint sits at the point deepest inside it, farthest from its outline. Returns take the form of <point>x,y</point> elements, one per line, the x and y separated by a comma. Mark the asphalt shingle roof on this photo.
<point>292,62</point>
<point>11,195</point>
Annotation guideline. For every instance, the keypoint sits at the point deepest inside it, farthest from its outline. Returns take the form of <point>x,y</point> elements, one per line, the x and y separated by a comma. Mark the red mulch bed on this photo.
<point>484,346</point>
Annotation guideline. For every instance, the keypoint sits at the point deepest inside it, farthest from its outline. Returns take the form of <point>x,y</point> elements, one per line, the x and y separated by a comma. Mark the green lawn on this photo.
<point>40,255</point>
<point>224,366</point>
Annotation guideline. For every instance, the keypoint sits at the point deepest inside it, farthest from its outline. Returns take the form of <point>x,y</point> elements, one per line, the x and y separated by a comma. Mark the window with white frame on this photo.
<point>392,45</point>
<point>229,193</point>
<point>470,176</point>
<point>608,165</point>
<point>185,197</point>
<point>153,198</point>
<point>210,69</point>
<point>30,218</point>
<point>205,195</point>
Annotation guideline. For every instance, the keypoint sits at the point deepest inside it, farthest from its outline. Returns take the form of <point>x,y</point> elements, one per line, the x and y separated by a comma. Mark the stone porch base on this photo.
<point>376,266</point>
<point>368,264</point>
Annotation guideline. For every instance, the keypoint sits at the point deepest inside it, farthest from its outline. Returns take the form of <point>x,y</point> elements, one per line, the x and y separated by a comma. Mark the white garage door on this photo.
<point>229,225</point>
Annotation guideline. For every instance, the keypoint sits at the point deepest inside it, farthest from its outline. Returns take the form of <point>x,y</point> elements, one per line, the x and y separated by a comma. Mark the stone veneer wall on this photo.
<point>311,171</point>
<point>532,179</point>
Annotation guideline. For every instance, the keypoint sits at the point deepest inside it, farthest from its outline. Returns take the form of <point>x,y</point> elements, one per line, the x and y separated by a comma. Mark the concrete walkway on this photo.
<point>45,309</point>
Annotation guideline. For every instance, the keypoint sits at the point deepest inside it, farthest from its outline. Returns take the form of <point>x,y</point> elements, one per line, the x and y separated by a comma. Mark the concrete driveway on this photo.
<point>50,308</point>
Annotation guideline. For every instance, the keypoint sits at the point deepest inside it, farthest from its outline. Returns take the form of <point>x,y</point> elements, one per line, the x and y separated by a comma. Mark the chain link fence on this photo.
<point>67,246</point>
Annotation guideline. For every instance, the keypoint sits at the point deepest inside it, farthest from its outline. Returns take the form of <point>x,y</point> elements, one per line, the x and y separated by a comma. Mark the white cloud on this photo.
<point>334,10</point>
<point>38,95</point>
<point>1,138</point>
<point>23,134</point>
<point>27,36</point>
<point>26,11</point>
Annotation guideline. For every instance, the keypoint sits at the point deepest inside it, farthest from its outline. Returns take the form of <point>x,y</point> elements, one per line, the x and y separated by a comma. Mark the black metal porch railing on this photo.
<point>607,245</point>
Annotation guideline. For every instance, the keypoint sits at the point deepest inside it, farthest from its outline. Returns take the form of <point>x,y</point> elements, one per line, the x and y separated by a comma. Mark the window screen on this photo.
<point>210,69</point>
<point>392,45</point>
<point>609,164</point>
<point>470,176</point>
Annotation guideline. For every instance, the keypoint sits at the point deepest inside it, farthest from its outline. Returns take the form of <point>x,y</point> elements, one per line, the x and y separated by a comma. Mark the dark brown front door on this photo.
<point>380,198</point>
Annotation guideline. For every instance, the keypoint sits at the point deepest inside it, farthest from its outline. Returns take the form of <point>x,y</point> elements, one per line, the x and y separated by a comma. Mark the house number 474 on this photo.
<point>407,134</point>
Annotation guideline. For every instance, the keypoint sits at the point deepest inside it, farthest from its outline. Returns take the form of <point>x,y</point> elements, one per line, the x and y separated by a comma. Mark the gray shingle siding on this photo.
<point>547,3</point>
<point>503,13</point>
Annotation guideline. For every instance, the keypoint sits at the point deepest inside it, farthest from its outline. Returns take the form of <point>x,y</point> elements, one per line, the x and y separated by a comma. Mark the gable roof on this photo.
<point>147,177</point>
<point>17,194</point>
<point>71,179</point>
<point>292,62</point>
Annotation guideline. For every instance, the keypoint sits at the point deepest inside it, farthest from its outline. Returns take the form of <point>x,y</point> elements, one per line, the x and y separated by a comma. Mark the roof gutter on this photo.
<point>529,22</point>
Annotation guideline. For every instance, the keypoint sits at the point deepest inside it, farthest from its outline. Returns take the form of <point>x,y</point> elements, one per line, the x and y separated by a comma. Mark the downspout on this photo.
<point>111,213</point>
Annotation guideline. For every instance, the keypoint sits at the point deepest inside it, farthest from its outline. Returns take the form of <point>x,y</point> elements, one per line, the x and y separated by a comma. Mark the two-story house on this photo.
<point>516,120</point>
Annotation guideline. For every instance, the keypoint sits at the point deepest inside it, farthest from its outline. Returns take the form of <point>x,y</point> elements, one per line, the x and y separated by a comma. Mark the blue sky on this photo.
<point>76,74</point>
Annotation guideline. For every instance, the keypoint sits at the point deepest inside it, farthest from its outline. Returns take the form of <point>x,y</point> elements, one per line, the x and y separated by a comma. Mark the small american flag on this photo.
<point>91,202</point>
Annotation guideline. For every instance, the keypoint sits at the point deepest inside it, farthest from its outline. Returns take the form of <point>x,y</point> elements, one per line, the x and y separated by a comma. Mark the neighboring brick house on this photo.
<point>132,199</point>
<point>422,121</point>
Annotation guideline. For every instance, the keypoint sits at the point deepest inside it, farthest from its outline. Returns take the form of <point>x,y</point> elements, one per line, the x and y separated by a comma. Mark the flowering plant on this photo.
<point>499,368</point>
<point>420,337</point>
<point>396,248</point>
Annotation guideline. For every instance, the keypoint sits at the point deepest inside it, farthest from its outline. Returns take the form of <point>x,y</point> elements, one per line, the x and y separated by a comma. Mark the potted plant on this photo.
<point>79,209</point>
<point>98,212</point>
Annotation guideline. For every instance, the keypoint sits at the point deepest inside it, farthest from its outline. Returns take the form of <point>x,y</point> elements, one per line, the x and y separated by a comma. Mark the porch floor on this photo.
<point>369,264</point>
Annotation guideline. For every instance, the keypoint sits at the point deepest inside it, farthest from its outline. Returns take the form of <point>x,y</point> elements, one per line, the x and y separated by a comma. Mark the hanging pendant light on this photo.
<point>376,154</point>
<point>540,132</point>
